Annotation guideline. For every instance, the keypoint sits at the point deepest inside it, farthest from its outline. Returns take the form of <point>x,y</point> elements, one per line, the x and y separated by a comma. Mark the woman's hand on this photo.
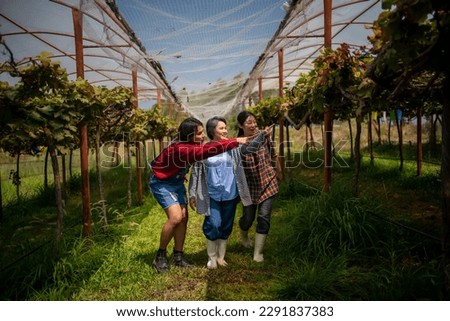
<point>243,140</point>
<point>268,130</point>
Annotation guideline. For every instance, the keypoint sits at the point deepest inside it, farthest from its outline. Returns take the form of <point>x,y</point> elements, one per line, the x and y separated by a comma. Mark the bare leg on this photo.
<point>180,229</point>
<point>175,226</point>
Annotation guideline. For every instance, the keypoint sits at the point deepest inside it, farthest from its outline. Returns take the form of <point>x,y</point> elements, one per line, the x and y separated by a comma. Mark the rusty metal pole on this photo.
<point>158,101</point>
<point>84,148</point>
<point>137,143</point>
<point>260,92</point>
<point>328,116</point>
<point>158,97</point>
<point>170,109</point>
<point>280,94</point>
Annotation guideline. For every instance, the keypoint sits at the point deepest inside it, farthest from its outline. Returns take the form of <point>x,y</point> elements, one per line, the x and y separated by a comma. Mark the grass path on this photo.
<point>316,249</point>
<point>127,273</point>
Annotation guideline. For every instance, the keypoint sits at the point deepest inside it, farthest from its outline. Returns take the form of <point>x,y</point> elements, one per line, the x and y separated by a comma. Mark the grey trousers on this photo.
<point>264,210</point>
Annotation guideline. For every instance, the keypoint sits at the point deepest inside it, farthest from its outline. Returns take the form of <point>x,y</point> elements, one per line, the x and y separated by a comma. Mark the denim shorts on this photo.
<point>168,191</point>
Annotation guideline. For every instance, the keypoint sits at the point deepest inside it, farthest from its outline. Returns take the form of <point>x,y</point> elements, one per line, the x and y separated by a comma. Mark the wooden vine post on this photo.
<point>419,142</point>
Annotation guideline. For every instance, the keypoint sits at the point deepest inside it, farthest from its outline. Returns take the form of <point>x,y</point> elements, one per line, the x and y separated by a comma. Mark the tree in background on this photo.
<point>410,40</point>
<point>42,109</point>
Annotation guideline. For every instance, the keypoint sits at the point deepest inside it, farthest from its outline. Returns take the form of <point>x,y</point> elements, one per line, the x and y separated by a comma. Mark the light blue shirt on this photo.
<point>220,177</point>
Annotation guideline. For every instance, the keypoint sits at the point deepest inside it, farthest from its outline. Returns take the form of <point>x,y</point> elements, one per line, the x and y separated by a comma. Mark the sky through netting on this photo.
<point>206,47</point>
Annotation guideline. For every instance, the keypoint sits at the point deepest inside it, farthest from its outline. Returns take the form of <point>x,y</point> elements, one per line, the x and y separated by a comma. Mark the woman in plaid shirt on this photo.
<point>262,179</point>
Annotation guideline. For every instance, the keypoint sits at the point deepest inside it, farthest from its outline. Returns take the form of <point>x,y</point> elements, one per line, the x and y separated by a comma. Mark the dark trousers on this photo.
<point>264,210</point>
<point>219,224</point>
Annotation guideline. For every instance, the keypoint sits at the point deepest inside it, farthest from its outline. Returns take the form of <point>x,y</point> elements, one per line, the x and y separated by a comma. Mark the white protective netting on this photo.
<point>301,36</point>
<point>207,48</point>
<point>110,52</point>
<point>206,55</point>
<point>213,52</point>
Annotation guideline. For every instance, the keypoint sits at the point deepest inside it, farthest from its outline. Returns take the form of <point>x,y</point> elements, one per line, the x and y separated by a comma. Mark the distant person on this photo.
<point>167,184</point>
<point>263,173</point>
<point>215,187</point>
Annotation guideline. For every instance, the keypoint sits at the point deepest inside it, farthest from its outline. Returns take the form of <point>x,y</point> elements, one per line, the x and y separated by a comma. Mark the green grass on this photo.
<point>321,246</point>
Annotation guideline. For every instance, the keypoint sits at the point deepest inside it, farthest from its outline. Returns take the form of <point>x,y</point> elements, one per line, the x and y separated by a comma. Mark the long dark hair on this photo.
<point>211,125</point>
<point>241,118</point>
<point>188,129</point>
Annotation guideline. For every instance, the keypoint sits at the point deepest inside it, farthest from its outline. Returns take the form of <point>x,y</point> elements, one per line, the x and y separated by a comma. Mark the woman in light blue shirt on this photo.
<point>215,188</point>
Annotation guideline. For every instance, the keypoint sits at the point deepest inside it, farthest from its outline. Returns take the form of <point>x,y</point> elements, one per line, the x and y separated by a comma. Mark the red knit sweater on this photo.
<point>180,155</point>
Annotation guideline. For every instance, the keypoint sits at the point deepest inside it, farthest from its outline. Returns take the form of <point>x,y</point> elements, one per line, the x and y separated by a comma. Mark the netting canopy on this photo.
<point>110,50</point>
<point>205,55</point>
<point>301,37</point>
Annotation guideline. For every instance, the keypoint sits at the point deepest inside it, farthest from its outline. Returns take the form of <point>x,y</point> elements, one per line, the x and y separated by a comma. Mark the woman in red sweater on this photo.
<point>167,184</point>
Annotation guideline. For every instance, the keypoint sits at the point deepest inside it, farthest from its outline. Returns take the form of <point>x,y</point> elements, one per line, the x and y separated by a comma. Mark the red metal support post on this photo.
<point>328,116</point>
<point>260,91</point>
<point>84,148</point>
<point>280,94</point>
<point>137,143</point>
<point>158,97</point>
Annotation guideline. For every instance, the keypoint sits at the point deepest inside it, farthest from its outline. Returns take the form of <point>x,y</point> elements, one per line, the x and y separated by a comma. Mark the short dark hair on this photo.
<point>188,129</point>
<point>211,125</point>
<point>241,118</point>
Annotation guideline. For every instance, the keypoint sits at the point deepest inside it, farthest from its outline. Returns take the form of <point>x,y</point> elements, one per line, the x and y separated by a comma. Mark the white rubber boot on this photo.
<point>245,240</point>
<point>211,249</point>
<point>221,250</point>
<point>259,246</point>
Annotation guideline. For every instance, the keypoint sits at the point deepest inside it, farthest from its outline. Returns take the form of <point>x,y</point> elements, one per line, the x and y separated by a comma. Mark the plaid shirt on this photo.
<point>259,172</point>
